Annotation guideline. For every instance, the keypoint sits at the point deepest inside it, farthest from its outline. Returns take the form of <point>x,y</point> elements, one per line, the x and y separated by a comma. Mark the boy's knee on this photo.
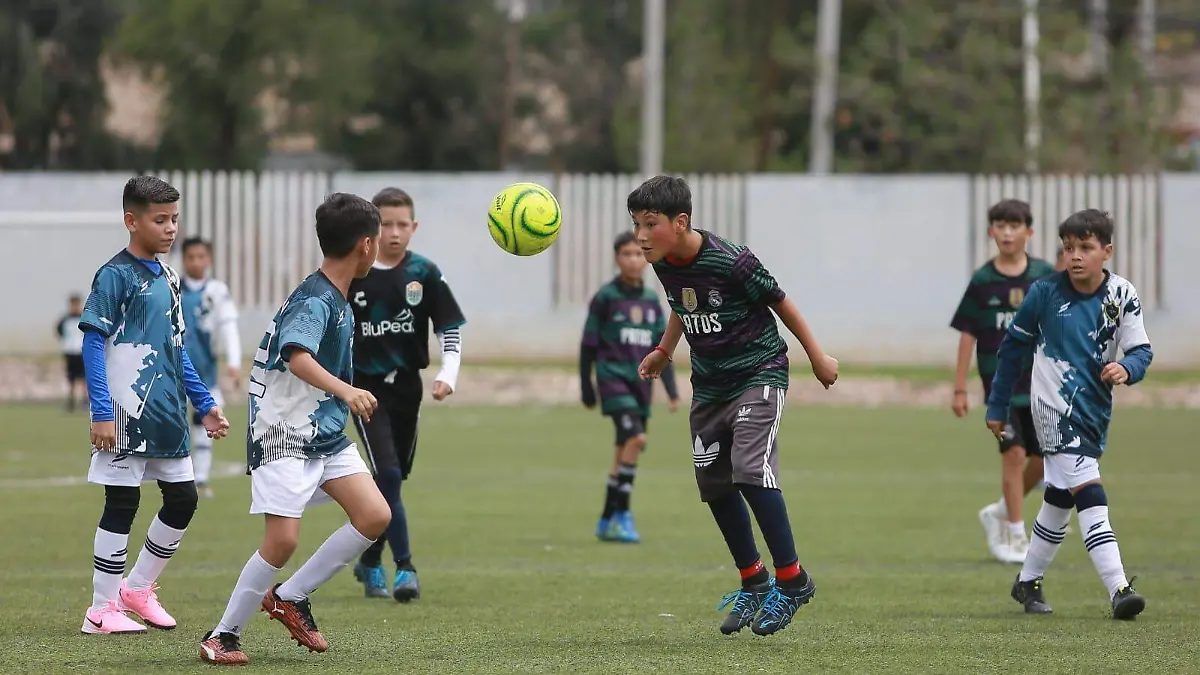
<point>1089,496</point>
<point>179,504</point>
<point>1059,497</point>
<point>636,444</point>
<point>120,508</point>
<point>372,521</point>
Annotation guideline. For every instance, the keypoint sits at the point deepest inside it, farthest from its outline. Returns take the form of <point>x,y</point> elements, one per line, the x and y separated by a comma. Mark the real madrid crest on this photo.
<point>1015,297</point>
<point>690,303</point>
<point>1112,311</point>
<point>714,299</point>
<point>413,292</point>
<point>635,315</point>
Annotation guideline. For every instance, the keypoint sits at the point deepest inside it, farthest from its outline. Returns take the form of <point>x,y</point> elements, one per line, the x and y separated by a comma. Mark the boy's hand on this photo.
<point>441,390</point>
<point>361,402</point>
<point>673,405</point>
<point>234,374</point>
<point>215,423</point>
<point>826,369</point>
<point>104,435</point>
<point>1114,373</point>
<point>653,365</point>
<point>959,404</point>
<point>997,428</point>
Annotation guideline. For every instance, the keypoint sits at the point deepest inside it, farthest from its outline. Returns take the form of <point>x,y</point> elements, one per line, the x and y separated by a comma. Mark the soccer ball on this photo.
<point>524,219</point>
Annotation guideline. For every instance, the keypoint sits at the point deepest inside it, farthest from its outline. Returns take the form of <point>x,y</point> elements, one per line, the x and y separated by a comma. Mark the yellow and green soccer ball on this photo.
<point>524,219</point>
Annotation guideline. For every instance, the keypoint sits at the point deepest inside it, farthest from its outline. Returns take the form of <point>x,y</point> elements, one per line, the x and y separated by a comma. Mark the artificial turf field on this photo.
<point>502,508</point>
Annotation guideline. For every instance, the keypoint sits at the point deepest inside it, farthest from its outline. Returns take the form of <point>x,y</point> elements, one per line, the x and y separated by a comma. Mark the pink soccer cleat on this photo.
<point>109,620</point>
<point>145,604</point>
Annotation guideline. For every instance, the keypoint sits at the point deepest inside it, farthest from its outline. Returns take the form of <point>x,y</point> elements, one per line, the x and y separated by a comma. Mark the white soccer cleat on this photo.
<point>1015,549</point>
<point>993,526</point>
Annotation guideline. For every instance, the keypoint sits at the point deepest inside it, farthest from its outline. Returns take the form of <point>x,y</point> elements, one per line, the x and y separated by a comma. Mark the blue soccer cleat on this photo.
<point>622,529</point>
<point>603,529</point>
<point>781,604</point>
<point>373,580</point>
<point>746,603</point>
<point>405,587</point>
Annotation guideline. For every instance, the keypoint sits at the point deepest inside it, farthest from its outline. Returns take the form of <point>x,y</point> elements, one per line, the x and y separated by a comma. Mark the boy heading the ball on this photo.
<point>988,305</point>
<point>394,305</point>
<point>1074,322</point>
<point>726,302</point>
<point>624,320</point>
<point>297,451</point>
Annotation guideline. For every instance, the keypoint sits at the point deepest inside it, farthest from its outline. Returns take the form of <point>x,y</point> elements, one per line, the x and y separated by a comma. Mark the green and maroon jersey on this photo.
<point>624,323</point>
<point>985,312</point>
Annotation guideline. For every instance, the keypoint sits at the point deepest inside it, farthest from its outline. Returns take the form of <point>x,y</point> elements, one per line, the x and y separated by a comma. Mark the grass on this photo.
<point>502,508</point>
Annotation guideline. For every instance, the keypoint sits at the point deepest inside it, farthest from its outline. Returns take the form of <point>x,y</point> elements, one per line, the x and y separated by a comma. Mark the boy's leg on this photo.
<point>755,466</point>
<point>162,539</point>
<point>202,456</point>
<point>405,586</point>
<point>631,440</point>
<point>121,477</point>
<point>382,454</point>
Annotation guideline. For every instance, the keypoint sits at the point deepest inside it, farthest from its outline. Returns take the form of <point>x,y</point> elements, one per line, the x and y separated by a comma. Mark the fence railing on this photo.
<point>260,223</point>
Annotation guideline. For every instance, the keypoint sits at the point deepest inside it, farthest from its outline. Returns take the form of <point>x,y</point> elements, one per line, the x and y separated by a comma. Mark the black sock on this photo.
<point>625,475</point>
<point>373,556</point>
<point>771,514</point>
<point>734,521</point>
<point>405,564</point>
<point>610,498</point>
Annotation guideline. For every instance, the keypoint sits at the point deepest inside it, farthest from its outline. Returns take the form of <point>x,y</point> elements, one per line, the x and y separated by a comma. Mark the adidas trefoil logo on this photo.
<point>703,456</point>
<point>743,414</point>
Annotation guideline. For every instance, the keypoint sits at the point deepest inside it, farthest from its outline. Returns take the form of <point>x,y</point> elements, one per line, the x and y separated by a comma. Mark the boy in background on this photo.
<point>624,321</point>
<point>988,305</point>
<point>70,343</point>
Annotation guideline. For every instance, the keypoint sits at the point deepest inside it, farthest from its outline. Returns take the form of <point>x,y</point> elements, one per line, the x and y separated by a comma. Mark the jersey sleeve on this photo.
<point>591,325</point>
<point>1131,331</point>
<point>755,280</point>
<point>445,312</point>
<point>105,307</point>
<point>302,325</point>
<point>966,317</point>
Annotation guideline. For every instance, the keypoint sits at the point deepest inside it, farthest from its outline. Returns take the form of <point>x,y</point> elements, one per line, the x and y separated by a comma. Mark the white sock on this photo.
<point>201,454</point>
<point>1002,506</point>
<point>108,565</point>
<point>1102,547</point>
<point>253,583</point>
<point>161,542</point>
<point>1048,531</point>
<point>338,550</point>
<point>1016,529</point>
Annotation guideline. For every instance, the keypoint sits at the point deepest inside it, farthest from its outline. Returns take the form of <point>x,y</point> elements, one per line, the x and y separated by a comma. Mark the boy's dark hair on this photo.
<point>1088,223</point>
<point>668,195</point>
<point>1010,211</point>
<point>343,220</point>
<point>75,297</point>
<point>392,196</point>
<point>622,240</point>
<point>142,191</point>
<point>195,241</point>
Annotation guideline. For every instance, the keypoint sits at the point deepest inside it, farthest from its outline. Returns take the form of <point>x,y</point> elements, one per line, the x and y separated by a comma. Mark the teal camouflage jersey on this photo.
<point>723,296</point>
<point>987,309</point>
<point>624,323</point>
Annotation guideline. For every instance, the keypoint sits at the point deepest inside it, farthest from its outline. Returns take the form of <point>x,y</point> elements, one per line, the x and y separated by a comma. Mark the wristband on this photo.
<point>659,348</point>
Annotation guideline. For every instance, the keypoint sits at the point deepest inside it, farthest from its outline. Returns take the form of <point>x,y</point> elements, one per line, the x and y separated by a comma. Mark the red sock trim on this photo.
<point>788,573</point>
<point>750,571</point>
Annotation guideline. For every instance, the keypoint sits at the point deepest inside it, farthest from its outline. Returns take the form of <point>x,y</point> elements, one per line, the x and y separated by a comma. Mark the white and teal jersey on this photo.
<point>289,417</point>
<point>209,311</point>
<point>1072,336</point>
<point>140,314</point>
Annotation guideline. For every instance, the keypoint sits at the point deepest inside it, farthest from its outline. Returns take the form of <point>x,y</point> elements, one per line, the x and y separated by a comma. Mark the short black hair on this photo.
<point>1088,223</point>
<point>668,195</point>
<point>343,220</point>
<point>1010,211</point>
<point>392,196</point>
<point>75,297</point>
<point>622,239</point>
<point>142,191</point>
<point>194,241</point>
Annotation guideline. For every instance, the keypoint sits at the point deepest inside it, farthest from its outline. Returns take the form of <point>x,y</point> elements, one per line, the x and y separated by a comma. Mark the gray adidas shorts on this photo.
<point>736,442</point>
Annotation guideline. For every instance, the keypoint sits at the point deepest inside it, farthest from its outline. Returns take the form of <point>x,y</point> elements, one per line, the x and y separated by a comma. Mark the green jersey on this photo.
<point>624,323</point>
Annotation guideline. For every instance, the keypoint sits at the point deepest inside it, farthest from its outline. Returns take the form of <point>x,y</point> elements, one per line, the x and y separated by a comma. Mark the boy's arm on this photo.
<point>447,320</point>
<point>227,318</point>
<point>197,391</point>
<point>966,349</point>
<point>58,327</point>
<point>787,312</point>
<point>668,380</point>
<point>1133,340</point>
<point>304,366</point>
<point>95,373</point>
<point>589,346</point>
<point>965,322</point>
<point>1013,350</point>
<point>102,315</point>
<point>674,331</point>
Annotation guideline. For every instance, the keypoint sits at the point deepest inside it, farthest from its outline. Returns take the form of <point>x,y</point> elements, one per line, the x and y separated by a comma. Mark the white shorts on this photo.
<point>285,487</point>
<point>109,468</point>
<point>1067,472</point>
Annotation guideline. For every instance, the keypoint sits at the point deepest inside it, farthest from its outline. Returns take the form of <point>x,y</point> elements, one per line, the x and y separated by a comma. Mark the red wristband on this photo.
<point>659,348</point>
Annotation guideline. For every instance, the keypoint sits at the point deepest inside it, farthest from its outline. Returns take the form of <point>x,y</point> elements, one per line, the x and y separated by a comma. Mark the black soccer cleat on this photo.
<point>1029,594</point>
<point>746,603</point>
<point>782,603</point>
<point>1127,603</point>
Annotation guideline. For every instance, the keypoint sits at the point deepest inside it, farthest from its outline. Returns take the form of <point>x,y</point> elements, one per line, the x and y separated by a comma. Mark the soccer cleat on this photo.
<point>1127,603</point>
<point>993,527</point>
<point>780,605</point>
<point>297,617</point>
<point>109,620</point>
<point>224,649</point>
<point>602,529</point>
<point>146,605</point>
<point>1013,548</point>
<point>746,602</point>
<point>622,528</point>
<point>1029,594</point>
<point>204,490</point>
<point>405,586</point>
<point>373,581</point>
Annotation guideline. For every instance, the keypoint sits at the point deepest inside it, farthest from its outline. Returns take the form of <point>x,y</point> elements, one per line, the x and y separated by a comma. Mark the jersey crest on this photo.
<point>714,299</point>
<point>1016,296</point>
<point>413,292</point>
<point>688,295</point>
